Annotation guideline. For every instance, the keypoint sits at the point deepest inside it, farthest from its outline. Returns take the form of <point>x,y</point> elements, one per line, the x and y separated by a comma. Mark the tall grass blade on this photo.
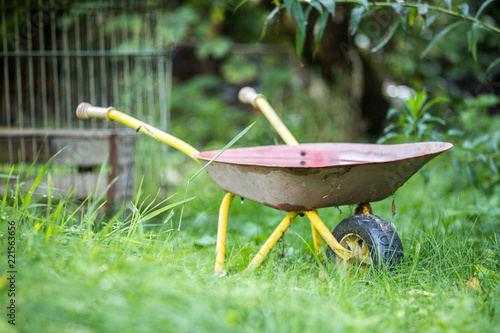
<point>161,210</point>
<point>8,177</point>
<point>226,147</point>
<point>38,179</point>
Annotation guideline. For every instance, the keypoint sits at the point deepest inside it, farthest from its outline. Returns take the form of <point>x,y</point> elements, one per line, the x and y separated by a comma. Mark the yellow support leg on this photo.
<point>317,240</point>
<point>273,239</point>
<point>222,232</point>
<point>327,235</point>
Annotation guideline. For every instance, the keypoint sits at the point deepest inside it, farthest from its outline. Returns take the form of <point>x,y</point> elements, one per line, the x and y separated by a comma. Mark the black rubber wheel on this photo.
<point>371,238</point>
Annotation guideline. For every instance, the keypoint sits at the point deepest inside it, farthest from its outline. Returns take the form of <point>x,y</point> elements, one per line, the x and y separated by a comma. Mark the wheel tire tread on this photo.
<point>382,239</point>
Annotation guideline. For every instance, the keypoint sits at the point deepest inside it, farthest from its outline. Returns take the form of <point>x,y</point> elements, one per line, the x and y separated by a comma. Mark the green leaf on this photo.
<point>408,104</point>
<point>316,5</point>
<point>434,101</point>
<point>389,128</point>
<point>391,113</point>
<point>472,36</point>
<point>300,37</point>
<point>365,4</point>
<point>421,129</point>
<point>387,137</point>
<point>482,101</point>
<point>448,4</point>
<point>483,6</point>
<point>387,37</point>
<point>356,15</point>
<point>482,157</point>
<point>481,139</point>
<point>493,64</point>
<point>428,21</point>
<point>403,119</point>
<point>455,132</point>
<point>417,102</point>
<point>288,6</point>
<point>268,19</point>
<point>299,16</point>
<point>423,9</point>
<point>438,36</point>
<point>463,9</point>
<point>329,5</point>
<point>319,29</point>
<point>495,140</point>
<point>398,9</point>
<point>432,119</point>
<point>240,4</point>
<point>411,17</point>
<point>493,166</point>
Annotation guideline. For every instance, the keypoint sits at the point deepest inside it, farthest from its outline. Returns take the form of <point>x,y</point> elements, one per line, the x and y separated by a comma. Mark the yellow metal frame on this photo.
<point>152,132</point>
<point>318,225</point>
<point>273,239</point>
<point>220,251</point>
<point>85,111</point>
<point>312,215</point>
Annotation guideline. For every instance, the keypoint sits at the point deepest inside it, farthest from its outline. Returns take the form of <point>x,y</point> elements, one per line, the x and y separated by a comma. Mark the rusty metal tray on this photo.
<point>316,175</point>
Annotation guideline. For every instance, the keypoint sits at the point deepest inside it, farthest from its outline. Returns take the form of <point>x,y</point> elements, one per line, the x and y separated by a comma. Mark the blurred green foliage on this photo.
<point>475,134</point>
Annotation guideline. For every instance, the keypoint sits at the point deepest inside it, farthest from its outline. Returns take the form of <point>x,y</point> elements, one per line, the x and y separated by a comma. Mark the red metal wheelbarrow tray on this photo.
<point>316,175</point>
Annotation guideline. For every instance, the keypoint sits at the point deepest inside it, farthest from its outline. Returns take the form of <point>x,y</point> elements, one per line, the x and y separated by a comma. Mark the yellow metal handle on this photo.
<point>248,95</point>
<point>86,111</point>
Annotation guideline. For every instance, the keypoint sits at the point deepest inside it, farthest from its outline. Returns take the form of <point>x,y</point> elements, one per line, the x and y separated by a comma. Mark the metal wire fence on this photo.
<point>57,53</point>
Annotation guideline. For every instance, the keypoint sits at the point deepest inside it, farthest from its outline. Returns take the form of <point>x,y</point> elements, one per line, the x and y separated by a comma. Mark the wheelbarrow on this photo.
<point>301,178</point>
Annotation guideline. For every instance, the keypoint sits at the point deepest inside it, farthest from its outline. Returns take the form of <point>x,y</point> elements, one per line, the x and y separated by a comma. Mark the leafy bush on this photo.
<point>471,129</point>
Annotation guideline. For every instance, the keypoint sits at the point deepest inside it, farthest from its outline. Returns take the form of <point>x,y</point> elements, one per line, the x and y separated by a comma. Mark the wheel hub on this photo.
<point>358,246</point>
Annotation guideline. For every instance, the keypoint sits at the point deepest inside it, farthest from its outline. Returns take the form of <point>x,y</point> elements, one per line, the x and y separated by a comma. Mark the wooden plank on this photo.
<point>83,149</point>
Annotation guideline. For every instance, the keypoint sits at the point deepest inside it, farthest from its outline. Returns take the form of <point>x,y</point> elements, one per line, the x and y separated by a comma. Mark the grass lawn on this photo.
<point>80,272</point>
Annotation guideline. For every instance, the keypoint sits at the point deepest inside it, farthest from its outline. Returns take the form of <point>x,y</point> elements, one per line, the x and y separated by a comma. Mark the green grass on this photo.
<point>79,271</point>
